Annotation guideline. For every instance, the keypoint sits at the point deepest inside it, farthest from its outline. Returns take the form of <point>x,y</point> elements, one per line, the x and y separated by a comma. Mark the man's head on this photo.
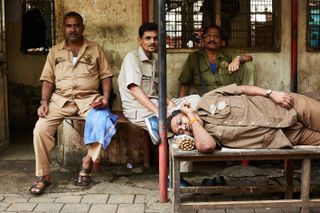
<point>73,27</point>
<point>213,37</point>
<point>178,123</point>
<point>148,38</point>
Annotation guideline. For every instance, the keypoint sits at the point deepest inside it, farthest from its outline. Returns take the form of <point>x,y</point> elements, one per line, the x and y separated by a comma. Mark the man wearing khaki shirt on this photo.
<point>70,81</point>
<point>247,116</point>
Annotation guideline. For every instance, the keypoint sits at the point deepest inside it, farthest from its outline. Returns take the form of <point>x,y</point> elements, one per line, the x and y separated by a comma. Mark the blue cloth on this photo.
<point>213,68</point>
<point>100,127</point>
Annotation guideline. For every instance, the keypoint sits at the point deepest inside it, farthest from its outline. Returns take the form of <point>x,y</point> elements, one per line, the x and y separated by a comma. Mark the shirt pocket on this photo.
<point>224,76</point>
<point>60,67</point>
<point>88,65</point>
<point>146,84</point>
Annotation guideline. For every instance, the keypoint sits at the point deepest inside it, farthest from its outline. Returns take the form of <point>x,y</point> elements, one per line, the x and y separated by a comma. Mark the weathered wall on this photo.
<point>23,72</point>
<point>308,62</point>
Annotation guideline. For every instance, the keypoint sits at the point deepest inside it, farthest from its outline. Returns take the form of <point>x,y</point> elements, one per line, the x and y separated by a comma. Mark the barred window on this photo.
<point>38,33</point>
<point>248,24</point>
<point>313,25</point>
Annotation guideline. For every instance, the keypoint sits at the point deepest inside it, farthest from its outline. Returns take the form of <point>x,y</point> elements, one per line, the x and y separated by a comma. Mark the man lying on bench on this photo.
<point>249,117</point>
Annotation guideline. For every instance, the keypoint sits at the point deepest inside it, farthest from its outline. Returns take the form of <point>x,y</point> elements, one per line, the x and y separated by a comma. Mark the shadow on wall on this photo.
<point>23,103</point>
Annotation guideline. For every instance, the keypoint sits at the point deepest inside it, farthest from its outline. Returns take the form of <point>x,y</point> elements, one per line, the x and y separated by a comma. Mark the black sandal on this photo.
<point>39,186</point>
<point>84,178</point>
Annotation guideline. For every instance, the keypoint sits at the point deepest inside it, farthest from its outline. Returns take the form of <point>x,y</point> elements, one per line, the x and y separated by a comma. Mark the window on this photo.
<point>313,25</point>
<point>249,24</point>
<point>38,26</point>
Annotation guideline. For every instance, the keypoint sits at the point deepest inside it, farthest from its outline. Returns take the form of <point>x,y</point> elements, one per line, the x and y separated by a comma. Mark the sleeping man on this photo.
<point>249,117</point>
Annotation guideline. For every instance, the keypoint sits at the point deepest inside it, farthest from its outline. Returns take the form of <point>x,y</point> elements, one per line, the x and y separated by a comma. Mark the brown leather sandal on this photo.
<point>39,186</point>
<point>84,178</point>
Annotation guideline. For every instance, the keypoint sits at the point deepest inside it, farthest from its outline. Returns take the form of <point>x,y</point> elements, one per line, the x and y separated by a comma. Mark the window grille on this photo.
<point>249,24</point>
<point>313,25</point>
<point>29,44</point>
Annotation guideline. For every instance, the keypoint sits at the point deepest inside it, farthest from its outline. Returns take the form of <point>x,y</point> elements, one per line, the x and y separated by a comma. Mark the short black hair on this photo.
<point>169,119</point>
<point>222,33</point>
<point>72,14</point>
<point>149,26</point>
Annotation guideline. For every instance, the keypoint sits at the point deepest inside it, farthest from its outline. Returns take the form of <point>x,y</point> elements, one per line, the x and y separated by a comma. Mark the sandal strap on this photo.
<point>44,181</point>
<point>85,171</point>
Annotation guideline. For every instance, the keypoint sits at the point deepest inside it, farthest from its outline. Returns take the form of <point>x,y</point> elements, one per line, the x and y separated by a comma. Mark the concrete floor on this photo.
<point>114,188</point>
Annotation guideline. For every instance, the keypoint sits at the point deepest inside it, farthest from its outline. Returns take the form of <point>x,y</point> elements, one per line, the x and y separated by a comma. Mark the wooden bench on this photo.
<point>120,122</point>
<point>305,153</point>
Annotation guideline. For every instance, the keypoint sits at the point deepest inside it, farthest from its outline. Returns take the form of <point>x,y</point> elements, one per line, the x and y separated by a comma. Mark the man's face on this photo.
<point>73,29</point>
<point>149,42</point>
<point>180,125</point>
<point>212,40</point>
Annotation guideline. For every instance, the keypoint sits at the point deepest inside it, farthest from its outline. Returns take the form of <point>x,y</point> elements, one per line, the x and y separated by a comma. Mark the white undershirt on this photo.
<point>74,60</point>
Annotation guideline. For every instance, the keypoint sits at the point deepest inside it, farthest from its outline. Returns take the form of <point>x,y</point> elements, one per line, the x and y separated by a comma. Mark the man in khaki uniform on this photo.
<point>250,117</point>
<point>214,65</point>
<point>70,81</point>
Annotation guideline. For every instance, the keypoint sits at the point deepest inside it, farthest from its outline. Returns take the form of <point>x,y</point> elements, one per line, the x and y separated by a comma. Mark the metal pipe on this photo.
<point>163,158</point>
<point>145,11</point>
<point>294,44</point>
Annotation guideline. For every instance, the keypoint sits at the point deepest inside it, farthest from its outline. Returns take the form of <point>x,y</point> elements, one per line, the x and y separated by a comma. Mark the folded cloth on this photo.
<point>100,127</point>
<point>184,142</point>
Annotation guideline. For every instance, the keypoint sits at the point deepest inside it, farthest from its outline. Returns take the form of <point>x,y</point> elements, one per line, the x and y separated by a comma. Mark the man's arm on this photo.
<point>183,89</point>
<point>235,63</point>
<point>283,99</point>
<point>46,93</point>
<point>204,142</point>
<point>142,98</point>
<point>106,88</point>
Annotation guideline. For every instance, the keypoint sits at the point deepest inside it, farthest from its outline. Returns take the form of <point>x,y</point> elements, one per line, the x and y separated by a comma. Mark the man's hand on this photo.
<point>100,103</point>
<point>186,108</point>
<point>234,65</point>
<point>43,109</point>
<point>282,98</point>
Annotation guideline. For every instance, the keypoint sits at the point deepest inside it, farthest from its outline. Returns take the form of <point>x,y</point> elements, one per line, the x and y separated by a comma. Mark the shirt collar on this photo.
<point>86,43</point>
<point>143,56</point>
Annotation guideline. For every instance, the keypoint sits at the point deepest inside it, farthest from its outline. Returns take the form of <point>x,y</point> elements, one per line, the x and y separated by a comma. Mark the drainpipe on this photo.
<point>145,11</point>
<point>294,44</point>
<point>162,63</point>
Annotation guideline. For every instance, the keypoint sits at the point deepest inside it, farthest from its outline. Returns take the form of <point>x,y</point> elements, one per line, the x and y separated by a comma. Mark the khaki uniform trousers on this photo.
<point>307,130</point>
<point>43,136</point>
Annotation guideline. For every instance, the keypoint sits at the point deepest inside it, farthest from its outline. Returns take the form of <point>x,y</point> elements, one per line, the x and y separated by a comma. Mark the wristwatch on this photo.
<point>269,91</point>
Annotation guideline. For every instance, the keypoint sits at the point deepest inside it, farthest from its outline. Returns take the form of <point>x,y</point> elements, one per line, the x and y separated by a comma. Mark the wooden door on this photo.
<point>4,124</point>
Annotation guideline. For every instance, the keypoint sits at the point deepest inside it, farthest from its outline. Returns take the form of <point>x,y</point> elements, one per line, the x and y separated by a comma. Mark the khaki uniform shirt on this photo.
<point>137,69</point>
<point>241,121</point>
<point>78,82</point>
<point>197,63</point>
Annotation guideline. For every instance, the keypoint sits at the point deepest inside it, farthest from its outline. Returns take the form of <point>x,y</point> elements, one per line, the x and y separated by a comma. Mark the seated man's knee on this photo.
<point>41,129</point>
<point>248,67</point>
<point>249,75</point>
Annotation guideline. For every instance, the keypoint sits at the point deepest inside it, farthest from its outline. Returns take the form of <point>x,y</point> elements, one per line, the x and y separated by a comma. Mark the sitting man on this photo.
<point>70,86</point>
<point>214,65</point>
<point>138,85</point>
<point>249,117</point>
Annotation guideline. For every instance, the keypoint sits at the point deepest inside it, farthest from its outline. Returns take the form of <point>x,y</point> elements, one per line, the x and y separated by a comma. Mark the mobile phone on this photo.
<point>96,104</point>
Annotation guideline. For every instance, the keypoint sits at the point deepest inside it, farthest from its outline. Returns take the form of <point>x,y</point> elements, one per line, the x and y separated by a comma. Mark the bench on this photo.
<point>77,123</point>
<point>305,153</point>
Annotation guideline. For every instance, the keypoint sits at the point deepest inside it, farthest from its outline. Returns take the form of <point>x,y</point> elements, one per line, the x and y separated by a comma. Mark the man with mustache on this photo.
<point>247,116</point>
<point>70,81</point>
<point>138,85</point>
<point>214,65</point>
